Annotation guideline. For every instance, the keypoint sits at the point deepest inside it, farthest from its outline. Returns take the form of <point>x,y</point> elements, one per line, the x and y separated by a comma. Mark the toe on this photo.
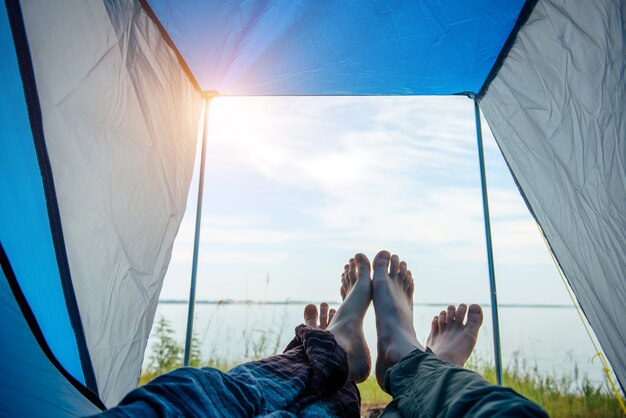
<point>331,315</point>
<point>381,263</point>
<point>409,286</point>
<point>343,290</point>
<point>434,326</point>
<point>310,315</point>
<point>409,294</point>
<point>363,267</point>
<point>451,314</point>
<point>323,315</point>
<point>460,313</point>
<point>403,270</point>
<point>474,317</point>
<point>352,271</point>
<point>393,267</point>
<point>408,280</point>
<point>442,320</point>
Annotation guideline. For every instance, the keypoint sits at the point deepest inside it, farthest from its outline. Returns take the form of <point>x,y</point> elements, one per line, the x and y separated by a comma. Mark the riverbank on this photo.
<point>568,393</point>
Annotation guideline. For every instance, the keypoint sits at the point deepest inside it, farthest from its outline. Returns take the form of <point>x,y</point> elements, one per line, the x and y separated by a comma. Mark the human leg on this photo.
<point>422,385</point>
<point>313,377</point>
<point>309,379</point>
<point>432,382</point>
<point>346,323</point>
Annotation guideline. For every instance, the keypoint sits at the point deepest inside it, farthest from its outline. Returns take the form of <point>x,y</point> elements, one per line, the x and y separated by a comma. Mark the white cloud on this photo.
<point>183,255</point>
<point>338,175</point>
<point>310,151</point>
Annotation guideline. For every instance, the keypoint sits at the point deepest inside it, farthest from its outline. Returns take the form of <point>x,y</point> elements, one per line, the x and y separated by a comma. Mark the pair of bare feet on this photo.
<point>391,289</point>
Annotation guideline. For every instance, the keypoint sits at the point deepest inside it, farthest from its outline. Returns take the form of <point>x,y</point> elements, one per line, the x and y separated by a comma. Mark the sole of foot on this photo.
<point>347,323</point>
<point>392,294</point>
<point>450,338</point>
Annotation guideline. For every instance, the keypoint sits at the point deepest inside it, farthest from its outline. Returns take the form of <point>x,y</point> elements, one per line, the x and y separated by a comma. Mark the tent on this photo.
<point>99,117</point>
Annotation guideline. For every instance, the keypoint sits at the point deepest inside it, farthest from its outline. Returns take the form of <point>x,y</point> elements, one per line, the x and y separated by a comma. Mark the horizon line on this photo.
<point>301,302</point>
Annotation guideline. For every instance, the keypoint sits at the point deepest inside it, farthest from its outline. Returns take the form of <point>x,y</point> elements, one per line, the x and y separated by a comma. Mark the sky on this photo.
<point>295,186</point>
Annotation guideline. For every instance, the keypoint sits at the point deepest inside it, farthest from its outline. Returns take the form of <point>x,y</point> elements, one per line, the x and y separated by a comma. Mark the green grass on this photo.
<point>553,394</point>
<point>558,396</point>
<point>372,394</point>
<point>565,395</point>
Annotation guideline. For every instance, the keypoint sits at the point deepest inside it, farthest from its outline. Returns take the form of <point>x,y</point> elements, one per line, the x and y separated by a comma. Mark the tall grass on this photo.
<point>562,395</point>
<point>565,394</point>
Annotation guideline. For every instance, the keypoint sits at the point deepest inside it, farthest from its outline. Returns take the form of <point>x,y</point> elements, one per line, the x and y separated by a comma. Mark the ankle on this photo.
<point>401,348</point>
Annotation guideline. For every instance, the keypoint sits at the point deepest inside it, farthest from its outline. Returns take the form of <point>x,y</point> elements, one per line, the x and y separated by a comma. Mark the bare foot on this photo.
<point>449,338</point>
<point>347,323</point>
<point>392,290</point>
<point>325,316</point>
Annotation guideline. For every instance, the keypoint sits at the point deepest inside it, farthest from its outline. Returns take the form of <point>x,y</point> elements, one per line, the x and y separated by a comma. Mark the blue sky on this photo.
<point>296,185</point>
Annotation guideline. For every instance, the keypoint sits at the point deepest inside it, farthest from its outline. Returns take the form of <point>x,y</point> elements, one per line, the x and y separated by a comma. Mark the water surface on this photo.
<point>550,338</point>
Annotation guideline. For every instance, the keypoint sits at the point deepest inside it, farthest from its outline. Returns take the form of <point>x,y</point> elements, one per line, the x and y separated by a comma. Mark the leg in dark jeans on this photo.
<point>431,382</point>
<point>422,385</point>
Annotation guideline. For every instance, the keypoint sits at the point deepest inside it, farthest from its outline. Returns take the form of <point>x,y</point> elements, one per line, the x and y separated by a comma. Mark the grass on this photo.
<point>372,397</point>
<point>565,395</point>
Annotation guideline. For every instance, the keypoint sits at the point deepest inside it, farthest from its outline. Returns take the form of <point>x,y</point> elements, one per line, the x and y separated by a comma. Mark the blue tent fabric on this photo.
<point>34,383</point>
<point>118,106</point>
<point>339,48</point>
<point>25,230</point>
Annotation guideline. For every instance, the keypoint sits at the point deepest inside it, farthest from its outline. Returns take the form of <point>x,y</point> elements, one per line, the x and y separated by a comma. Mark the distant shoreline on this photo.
<point>300,302</point>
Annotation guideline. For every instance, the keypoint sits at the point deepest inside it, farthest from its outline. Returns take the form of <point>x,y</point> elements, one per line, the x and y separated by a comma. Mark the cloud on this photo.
<point>311,151</point>
<point>185,255</point>
<point>336,175</point>
<point>367,159</point>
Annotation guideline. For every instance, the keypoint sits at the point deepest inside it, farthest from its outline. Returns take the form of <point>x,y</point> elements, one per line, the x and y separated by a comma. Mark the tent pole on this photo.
<point>196,242</point>
<point>492,273</point>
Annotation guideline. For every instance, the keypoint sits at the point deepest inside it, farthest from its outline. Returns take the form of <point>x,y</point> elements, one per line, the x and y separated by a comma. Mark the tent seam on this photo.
<point>168,40</point>
<point>522,18</point>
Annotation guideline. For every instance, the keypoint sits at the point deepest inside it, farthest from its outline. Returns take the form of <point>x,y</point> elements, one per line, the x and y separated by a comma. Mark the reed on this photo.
<point>561,395</point>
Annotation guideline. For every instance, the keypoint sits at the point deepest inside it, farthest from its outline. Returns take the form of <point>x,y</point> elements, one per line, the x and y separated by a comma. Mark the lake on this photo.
<point>550,338</point>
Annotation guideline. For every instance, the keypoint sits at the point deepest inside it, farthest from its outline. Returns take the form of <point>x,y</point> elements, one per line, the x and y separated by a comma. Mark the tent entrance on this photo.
<point>293,156</point>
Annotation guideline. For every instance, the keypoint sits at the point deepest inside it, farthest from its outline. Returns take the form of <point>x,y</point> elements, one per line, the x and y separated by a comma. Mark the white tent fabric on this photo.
<point>120,117</point>
<point>556,108</point>
<point>120,121</point>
